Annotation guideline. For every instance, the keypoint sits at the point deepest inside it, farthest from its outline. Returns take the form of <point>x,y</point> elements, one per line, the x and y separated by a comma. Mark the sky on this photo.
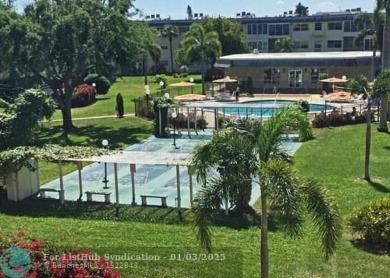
<point>177,9</point>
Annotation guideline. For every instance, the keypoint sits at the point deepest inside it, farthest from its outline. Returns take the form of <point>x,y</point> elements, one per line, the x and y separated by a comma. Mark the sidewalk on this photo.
<point>93,117</point>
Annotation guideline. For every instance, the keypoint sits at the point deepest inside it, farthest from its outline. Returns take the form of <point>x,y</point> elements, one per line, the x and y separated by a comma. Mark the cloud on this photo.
<point>326,6</point>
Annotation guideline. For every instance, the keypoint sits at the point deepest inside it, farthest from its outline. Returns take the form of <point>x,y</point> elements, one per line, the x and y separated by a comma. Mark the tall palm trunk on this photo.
<point>368,142</point>
<point>264,237</point>
<point>244,196</point>
<point>171,53</point>
<point>203,77</point>
<point>382,127</point>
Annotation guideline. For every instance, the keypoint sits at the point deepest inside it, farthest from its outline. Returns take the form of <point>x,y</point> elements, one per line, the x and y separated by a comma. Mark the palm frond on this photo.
<point>207,201</point>
<point>324,215</point>
<point>280,183</point>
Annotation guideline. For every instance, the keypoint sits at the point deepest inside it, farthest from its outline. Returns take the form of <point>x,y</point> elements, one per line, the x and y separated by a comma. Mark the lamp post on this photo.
<point>105,180</point>
<point>192,87</point>
<point>161,86</point>
<point>174,116</point>
<point>147,92</point>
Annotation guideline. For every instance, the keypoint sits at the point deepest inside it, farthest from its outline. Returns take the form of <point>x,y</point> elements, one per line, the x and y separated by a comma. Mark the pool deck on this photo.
<point>149,179</point>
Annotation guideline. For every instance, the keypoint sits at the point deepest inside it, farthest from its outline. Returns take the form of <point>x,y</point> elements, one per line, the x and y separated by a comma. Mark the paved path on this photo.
<point>94,117</point>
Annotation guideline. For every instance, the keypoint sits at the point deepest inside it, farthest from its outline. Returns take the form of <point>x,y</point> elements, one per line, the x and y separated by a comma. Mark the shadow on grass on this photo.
<point>379,187</point>
<point>377,249</point>
<point>387,148</point>
<point>41,208</point>
<point>90,135</point>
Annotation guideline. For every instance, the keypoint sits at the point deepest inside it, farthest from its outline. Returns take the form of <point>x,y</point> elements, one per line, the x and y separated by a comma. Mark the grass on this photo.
<point>119,133</point>
<point>130,88</point>
<point>335,158</point>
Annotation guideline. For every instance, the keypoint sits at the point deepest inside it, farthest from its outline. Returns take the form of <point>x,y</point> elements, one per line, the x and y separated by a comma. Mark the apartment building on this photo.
<point>320,32</point>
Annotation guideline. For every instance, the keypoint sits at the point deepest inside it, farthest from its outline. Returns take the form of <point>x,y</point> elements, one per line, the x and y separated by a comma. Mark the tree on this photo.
<point>189,12</point>
<point>199,47</point>
<point>284,44</point>
<point>170,32</point>
<point>374,28</point>
<point>301,10</point>
<point>21,118</point>
<point>381,88</point>
<point>229,156</point>
<point>59,42</point>
<point>280,188</point>
<point>8,3</point>
<point>119,105</point>
<point>384,5</point>
<point>229,33</point>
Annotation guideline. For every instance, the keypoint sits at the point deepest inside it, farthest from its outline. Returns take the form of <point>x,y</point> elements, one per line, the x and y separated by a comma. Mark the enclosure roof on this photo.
<point>345,58</point>
<point>145,158</point>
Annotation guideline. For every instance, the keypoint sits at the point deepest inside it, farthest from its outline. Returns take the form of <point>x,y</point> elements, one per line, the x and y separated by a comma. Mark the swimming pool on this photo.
<point>255,108</point>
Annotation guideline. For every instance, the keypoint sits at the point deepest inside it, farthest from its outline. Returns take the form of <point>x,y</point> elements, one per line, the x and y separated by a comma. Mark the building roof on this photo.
<point>346,58</point>
<point>144,158</point>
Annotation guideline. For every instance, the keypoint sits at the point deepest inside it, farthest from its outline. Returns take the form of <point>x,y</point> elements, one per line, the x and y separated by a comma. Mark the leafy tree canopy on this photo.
<point>59,42</point>
<point>230,34</point>
<point>301,10</point>
<point>21,118</point>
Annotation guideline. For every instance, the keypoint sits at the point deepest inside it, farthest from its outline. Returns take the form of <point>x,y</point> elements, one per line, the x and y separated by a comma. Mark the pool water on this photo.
<point>258,108</point>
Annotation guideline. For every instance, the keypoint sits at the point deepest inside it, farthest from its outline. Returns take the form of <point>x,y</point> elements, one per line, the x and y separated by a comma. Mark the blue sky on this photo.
<point>176,9</point>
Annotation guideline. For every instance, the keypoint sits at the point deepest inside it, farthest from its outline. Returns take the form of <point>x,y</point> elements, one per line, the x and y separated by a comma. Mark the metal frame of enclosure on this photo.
<point>297,72</point>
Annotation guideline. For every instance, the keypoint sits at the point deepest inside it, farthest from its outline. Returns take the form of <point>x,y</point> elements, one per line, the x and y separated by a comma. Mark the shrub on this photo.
<point>119,106</point>
<point>102,84</point>
<point>372,221</point>
<point>34,259</point>
<point>303,105</point>
<point>161,77</point>
<point>183,74</point>
<point>175,75</point>
<point>83,95</point>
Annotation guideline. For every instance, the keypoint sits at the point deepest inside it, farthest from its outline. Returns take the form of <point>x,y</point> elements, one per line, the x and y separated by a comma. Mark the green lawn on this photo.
<point>130,88</point>
<point>335,157</point>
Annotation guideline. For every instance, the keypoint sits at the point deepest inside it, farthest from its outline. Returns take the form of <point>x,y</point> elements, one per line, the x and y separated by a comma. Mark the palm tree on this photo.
<point>374,28</point>
<point>384,5</point>
<point>154,52</point>
<point>229,156</point>
<point>199,47</point>
<point>359,85</point>
<point>301,10</point>
<point>381,88</point>
<point>284,45</point>
<point>280,187</point>
<point>170,32</point>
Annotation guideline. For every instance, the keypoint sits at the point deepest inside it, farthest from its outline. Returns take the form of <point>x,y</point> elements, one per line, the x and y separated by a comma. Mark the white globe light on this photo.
<point>191,79</point>
<point>161,83</point>
<point>146,87</point>
<point>166,95</point>
<point>105,142</point>
<point>174,115</point>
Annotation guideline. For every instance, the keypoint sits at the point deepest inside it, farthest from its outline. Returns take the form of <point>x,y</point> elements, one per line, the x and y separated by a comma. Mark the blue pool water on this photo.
<point>258,108</point>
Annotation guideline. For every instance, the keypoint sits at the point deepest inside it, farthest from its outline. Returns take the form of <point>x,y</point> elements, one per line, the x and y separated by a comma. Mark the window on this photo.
<point>183,29</point>
<point>334,44</point>
<point>272,76</point>
<point>368,44</point>
<point>318,26</point>
<point>317,45</point>
<point>335,26</point>
<point>295,78</point>
<point>278,29</point>
<point>301,27</point>
<point>260,45</point>
<point>314,74</point>
<point>257,29</point>
<point>301,45</point>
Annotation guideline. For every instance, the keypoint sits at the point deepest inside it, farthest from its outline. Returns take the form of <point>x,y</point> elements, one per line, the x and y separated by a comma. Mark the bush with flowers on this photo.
<point>83,95</point>
<point>22,257</point>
